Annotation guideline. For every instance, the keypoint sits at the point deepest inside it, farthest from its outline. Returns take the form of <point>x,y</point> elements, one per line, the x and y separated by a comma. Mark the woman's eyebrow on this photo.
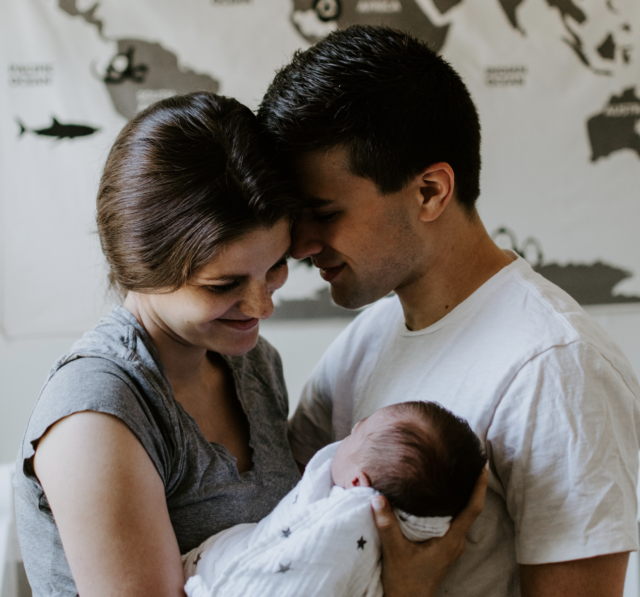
<point>231,276</point>
<point>225,277</point>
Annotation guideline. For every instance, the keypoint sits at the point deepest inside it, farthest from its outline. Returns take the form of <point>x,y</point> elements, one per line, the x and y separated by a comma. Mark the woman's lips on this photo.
<point>329,273</point>
<point>240,324</point>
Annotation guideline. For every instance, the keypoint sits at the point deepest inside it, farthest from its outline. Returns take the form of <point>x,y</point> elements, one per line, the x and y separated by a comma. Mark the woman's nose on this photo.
<point>257,301</point>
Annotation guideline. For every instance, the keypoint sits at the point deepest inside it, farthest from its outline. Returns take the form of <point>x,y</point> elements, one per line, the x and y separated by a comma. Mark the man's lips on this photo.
<point>329,273</point>
<point>240,324</point>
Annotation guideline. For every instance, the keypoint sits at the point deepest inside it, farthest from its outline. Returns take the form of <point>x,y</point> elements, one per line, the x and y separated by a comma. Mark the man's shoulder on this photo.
<point>542,318</point>
<point>531,302</point>
<point>514,317</point>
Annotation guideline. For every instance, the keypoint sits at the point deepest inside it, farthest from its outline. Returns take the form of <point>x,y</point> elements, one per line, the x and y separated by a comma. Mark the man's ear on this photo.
<point>436,185</point>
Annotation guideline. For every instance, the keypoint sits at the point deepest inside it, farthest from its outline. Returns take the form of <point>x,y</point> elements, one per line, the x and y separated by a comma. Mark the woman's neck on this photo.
<point>182,362</point>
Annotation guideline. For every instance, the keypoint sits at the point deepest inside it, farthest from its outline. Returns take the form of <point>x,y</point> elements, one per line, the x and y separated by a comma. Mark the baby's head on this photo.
<point>420,456</point>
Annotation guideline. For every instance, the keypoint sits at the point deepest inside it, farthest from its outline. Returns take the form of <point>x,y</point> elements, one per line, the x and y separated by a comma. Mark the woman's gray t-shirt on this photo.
<point>115,369</point>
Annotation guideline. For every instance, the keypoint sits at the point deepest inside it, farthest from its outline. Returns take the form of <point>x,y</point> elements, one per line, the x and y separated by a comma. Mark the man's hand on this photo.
<point>418,569</point>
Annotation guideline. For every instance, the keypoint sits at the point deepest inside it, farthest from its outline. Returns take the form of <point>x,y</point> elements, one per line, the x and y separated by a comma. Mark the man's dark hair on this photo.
<point>391,101</point>
<point>426,462</point>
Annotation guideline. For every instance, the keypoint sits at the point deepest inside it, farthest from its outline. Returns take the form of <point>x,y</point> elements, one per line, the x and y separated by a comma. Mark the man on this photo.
<point>385,141</point>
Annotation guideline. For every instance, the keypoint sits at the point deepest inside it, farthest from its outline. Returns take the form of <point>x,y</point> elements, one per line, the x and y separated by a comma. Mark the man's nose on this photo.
<point>305,241</point>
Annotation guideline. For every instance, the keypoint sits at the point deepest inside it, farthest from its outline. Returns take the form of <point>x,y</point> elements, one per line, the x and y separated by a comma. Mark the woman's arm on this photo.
<point>110,509</point>
<point>418,569</point>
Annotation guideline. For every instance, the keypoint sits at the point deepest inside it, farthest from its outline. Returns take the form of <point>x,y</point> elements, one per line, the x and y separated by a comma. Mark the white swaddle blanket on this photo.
<point>320,541</point>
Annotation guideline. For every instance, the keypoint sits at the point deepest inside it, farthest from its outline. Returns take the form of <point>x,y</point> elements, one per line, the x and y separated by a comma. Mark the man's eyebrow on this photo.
<point>317,202</point>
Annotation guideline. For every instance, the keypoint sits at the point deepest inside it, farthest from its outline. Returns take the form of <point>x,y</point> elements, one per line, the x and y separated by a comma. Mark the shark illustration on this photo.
<point>59,130</point>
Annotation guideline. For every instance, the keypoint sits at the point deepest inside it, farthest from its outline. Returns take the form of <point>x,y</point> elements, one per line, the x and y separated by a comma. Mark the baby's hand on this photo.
<point>418,569</point>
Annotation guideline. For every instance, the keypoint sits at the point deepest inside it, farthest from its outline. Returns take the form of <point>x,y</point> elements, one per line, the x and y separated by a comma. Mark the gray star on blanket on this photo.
<point>361,543</point>
<point>295,499</point>
<point>284,568</point>
<point>286,533</point>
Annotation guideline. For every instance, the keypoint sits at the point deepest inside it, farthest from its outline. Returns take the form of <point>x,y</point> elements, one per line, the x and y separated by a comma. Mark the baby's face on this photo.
<point>346,468</point>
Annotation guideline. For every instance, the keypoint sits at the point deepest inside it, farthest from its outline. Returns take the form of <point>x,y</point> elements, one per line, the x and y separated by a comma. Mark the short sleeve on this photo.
<point>98,385</point>
<point>564,446</point>
<point>326,408</point>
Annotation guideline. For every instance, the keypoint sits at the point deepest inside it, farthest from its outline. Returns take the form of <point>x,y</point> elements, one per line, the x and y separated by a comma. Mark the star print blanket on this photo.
<point>320,541</point>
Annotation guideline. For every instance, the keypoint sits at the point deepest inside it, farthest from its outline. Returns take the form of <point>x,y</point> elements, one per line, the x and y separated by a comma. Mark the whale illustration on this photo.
<point>59,130</point>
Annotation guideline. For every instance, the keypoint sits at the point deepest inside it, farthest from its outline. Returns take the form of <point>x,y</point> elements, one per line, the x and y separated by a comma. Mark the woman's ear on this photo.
<point>436,185</point>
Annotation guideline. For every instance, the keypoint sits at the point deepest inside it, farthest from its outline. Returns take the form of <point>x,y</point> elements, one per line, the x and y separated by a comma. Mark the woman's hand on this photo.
<point>418,569</point>
<point>109,504</point>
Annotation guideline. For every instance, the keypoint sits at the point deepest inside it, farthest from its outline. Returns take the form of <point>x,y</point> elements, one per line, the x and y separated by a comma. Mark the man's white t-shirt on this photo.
<point>552,398</point>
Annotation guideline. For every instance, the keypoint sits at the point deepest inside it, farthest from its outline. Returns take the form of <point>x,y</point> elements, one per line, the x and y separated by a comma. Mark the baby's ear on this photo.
<point>362,480</point>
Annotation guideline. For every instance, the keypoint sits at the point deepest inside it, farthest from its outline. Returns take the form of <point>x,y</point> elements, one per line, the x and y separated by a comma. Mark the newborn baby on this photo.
<point>420,456</point>
<point>321,539</point>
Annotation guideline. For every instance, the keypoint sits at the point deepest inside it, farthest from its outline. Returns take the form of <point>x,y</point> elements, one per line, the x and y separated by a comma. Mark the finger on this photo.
<point>391,536</point>
<point>472,510</point>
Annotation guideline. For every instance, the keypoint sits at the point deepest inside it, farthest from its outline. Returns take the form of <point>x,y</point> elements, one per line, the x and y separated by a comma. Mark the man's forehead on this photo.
<point>324,177</point>
<point>334,160</point>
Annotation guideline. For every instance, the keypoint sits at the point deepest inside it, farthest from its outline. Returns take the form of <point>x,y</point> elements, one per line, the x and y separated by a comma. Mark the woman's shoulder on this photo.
<point>113,368</point>
<point>99,385</point>
<point>117,337</point>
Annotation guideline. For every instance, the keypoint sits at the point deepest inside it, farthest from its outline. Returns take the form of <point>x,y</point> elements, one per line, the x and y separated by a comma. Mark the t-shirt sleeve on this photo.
<point>564,447</point>
<point>325,411</point>
<point>98,385</point>
<point>310,428</point>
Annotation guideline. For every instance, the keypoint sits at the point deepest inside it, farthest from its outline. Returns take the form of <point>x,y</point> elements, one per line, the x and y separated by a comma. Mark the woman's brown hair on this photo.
<point>184,177</point>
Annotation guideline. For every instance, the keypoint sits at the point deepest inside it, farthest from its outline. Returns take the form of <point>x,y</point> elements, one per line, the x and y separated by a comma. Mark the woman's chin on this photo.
<point>235,343</point>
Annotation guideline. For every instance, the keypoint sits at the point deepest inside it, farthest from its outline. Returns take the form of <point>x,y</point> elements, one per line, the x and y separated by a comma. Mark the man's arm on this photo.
<point>602,576</point>
<point>565,452</point>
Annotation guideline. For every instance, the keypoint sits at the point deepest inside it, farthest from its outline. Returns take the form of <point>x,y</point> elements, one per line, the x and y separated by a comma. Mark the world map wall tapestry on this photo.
<point>556,82</point>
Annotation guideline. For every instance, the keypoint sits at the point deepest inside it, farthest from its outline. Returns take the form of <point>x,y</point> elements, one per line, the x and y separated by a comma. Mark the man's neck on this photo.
<point>462,257</point>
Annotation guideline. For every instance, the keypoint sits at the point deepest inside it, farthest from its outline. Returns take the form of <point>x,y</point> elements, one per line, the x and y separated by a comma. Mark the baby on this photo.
<point>420,456</point>
<point>321,539</point>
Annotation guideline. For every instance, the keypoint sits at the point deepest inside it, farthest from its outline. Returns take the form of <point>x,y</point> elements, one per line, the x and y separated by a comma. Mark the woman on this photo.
<point>167,422</point>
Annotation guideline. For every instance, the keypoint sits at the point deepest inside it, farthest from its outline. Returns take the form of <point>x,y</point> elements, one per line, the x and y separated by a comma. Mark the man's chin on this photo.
<point>354,298</point>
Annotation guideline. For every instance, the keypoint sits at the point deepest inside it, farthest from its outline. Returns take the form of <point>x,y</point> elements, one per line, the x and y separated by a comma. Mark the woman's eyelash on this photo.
<point>224,288</point>
<point>282,262</point>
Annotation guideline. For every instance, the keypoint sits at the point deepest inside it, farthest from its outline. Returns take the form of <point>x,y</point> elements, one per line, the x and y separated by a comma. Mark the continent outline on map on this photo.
<point>315,19</point>
<point>615,128</point>
<point>141,72</point>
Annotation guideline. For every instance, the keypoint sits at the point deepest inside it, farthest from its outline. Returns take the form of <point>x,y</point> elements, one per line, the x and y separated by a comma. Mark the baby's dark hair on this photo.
<point>425,462</point>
